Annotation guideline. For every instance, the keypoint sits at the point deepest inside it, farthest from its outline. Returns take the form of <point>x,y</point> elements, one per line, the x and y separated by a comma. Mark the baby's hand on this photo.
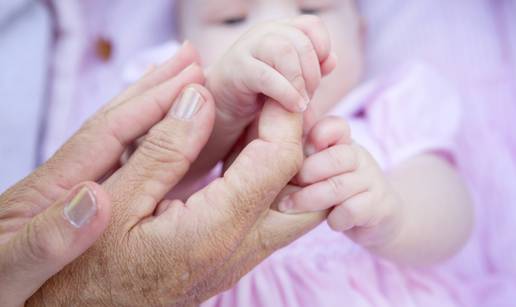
<point>343,176</point>
<point>282,60</point>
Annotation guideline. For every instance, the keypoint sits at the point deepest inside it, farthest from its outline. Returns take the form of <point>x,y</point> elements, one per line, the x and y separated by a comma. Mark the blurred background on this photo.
<point>61,60</point>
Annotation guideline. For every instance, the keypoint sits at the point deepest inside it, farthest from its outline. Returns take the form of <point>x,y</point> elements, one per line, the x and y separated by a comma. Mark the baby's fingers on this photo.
<point>327,132</point>
<point>356,211</point>
<point>308,59</point>
<point>325,194</point>
<point>262,78</point>
<point>314,28</point>
<point>329,64</point>
<point>330,162</point>
<point>281,54</point>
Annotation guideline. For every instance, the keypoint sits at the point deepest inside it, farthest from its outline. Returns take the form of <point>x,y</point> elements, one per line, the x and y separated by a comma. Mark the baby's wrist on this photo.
<point>392,229</point>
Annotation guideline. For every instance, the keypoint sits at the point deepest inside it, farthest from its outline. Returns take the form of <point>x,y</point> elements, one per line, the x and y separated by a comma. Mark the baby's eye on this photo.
<point>309,11</point>
<point>233,21</point>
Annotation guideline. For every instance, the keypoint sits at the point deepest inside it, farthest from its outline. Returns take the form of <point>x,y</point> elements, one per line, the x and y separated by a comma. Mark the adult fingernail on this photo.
<point>286,205</point>
<point>81,208</point>
<point>187,105</point>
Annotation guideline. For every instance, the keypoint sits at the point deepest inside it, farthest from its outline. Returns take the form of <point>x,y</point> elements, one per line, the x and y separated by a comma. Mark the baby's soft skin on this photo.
<point>283,60</point>
<point>394,214</point>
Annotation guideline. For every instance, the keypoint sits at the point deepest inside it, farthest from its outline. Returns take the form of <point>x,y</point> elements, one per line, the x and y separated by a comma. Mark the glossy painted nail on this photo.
<point>81,208</point>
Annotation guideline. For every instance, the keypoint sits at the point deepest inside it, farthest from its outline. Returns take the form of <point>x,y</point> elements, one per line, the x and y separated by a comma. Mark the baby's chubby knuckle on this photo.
<point>336,185</point>
<point>363,158</point>
<point>298,81</point>
<point>306,48</point>
<point>264,77</point>
<point>283,48</point>
<point>343,157</point>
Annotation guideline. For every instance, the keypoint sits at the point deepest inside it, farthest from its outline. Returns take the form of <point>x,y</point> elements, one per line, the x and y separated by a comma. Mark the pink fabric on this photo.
<point>400,117</point>
<point>82,81</point>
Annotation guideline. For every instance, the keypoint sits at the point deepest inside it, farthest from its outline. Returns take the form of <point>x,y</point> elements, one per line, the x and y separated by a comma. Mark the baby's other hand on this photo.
<point>342,176</point>
<point>283,60</point>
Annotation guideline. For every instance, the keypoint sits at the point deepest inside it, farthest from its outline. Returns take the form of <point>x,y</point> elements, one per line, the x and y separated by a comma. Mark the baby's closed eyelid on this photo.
<point>314,7</point>
<point>233,12</point>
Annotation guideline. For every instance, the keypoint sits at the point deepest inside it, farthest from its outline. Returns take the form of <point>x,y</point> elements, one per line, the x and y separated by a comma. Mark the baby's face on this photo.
<point>214,25</point>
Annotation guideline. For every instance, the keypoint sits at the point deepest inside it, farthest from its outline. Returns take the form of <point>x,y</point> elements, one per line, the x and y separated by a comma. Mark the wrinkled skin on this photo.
<point>159,252</point>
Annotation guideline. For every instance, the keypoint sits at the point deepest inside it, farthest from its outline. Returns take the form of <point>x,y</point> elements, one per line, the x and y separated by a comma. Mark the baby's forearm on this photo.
<point>436,216</point>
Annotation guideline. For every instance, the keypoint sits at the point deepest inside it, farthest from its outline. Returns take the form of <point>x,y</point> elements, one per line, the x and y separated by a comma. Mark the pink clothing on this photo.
<point>395,118</point>
<point>83,81</point>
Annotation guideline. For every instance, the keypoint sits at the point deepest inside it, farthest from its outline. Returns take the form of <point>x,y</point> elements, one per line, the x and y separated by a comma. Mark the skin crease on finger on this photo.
<point>213,26</point>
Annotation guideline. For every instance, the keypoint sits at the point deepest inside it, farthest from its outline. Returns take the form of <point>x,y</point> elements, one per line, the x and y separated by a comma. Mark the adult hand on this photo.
<point>41,227</point>
<point>159,252</point>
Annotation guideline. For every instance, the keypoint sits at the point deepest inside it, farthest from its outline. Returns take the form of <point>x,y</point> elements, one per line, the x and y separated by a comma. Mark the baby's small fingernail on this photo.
<point>306,97</point>
<point>286,205</point>
<point>309,150</point>
<point>303,103</point>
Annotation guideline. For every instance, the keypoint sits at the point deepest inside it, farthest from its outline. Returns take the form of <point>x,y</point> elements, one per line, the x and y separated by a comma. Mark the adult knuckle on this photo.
<point>39,246</point>
<point>291,156</point>
<point>285,158</point>
<point>160,146</point>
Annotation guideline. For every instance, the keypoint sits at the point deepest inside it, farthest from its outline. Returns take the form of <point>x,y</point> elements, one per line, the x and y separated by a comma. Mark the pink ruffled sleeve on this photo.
<point>416,111</point>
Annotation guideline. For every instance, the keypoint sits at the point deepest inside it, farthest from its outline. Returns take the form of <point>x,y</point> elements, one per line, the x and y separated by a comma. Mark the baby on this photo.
<point>392,189</point>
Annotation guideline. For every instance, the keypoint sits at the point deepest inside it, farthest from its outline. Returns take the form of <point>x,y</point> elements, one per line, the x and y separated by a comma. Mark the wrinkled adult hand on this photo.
<point>161,252</point>
<point>56,213</point>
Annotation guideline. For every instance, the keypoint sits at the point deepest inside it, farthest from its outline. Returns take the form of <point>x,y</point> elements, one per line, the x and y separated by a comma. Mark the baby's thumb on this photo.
<point>51,240</point>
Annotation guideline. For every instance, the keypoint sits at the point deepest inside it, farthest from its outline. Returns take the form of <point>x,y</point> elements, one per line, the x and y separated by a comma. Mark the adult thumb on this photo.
<point>51,240</point>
